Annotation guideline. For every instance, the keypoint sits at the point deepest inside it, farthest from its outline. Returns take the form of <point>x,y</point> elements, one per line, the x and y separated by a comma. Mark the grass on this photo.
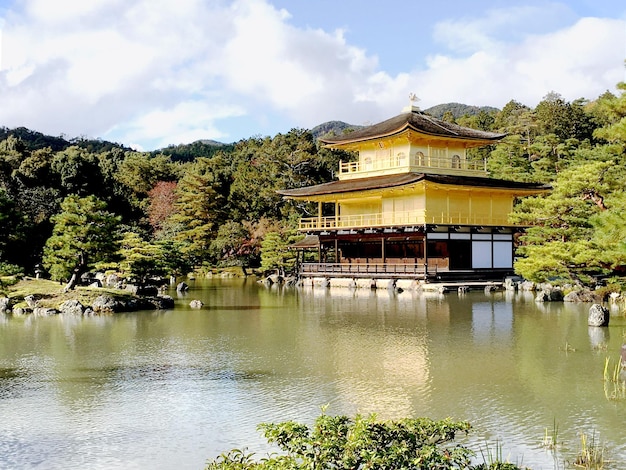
<point>591,455</point>
<point>551,440</point>
<point>49,294</point>
<point>614,385</point>
<point>494,459</point>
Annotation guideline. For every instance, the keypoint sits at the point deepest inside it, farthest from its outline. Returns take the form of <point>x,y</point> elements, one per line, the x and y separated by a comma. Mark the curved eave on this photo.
<point>329,191</point>
<point>415,122</point>
<point>362,186</point>
<point>355,144</point>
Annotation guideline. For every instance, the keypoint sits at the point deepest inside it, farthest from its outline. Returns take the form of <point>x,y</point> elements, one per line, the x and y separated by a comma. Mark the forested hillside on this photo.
<point>72,204</point>
<point>458,110</point>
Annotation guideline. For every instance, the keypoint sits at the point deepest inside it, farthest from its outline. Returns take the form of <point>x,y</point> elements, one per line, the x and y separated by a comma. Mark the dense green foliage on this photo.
<point>184,207</point>
<point>458,110</point>
<point>84,233</point>
<point>578,230</point>
<point>216,205</point>
<point>339,442</point>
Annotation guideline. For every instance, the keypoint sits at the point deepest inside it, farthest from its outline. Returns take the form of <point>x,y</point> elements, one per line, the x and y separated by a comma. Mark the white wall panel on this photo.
<point>502,254</point>
<point>481,255</point>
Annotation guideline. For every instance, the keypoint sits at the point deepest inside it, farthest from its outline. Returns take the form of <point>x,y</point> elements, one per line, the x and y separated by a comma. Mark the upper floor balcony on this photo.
<point>417,163</point>
<point>400,219</point>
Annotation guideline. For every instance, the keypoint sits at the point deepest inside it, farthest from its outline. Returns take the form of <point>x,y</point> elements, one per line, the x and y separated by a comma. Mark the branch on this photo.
<point>597,199</point>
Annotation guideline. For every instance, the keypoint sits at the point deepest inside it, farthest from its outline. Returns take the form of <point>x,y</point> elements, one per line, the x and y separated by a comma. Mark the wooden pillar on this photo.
<point>383,249</point>
<point>336,252</point>
<point>319,214</point>
<point>425,252</point>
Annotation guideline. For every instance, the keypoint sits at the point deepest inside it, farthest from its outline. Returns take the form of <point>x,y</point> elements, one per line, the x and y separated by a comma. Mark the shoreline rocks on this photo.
<point>103,304</point>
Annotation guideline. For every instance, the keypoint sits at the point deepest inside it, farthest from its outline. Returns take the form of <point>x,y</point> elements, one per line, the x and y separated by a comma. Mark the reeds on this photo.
<point>494,459</point>
<point>592,453</point>
<point>614,384</point>
<point>551,439</point>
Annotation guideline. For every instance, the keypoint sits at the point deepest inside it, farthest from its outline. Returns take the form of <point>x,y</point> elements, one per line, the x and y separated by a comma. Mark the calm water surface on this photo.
<point>170,389</point>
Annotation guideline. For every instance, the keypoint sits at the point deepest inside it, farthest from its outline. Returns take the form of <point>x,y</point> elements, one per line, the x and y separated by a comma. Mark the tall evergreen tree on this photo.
<point>199,210</point>
<point>84,233</point>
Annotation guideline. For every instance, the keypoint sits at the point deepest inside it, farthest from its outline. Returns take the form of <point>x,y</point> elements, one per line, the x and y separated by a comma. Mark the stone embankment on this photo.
<point>102,304</point>
<point>102,295</point>
<point>542,292</point>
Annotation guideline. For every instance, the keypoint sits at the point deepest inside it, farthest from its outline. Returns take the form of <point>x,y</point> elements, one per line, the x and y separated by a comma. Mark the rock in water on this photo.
<point>5,304</point>
<point>598,315</point>
<point>72,307</point>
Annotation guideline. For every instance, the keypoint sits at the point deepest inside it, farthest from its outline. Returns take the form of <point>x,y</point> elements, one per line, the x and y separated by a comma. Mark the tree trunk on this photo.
<point>72,282</point>
<point>76,273</point>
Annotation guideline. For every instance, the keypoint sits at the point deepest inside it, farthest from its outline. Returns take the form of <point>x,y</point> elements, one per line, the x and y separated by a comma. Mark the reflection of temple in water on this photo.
<point>401,372</point>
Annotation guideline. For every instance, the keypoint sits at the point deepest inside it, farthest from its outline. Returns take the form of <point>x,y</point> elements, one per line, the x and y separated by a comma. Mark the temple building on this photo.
<point>414,205</point>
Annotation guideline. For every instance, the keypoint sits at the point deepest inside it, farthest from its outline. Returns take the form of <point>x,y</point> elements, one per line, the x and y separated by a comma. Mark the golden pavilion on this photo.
<point>414,205</point>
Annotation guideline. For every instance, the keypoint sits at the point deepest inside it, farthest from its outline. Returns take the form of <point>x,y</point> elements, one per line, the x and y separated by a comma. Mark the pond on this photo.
<point>170,389</point>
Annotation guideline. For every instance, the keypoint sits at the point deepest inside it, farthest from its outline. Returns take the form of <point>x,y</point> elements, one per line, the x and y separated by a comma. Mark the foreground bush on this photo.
<point>339,442</point>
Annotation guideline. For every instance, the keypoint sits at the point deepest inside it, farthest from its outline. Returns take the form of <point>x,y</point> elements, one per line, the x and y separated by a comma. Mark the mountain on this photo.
<point>34,140</point>
<point>333,128</point>
<point>206,148</point>
<point>189,152</point>
<point>458,110</point>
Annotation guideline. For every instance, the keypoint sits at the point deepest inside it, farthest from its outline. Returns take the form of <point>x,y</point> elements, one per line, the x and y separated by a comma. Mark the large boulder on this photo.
<point>549,295</point>
<point>106,304</point>
<point>160,302</point>
<point>112,280</point>
<point>598,315</point>
<point>196,304</point>
<point>151,291</point>
<point>31,301</point>
<point>142,290</point>
<point>5,304</point>
<point>182,287</point>
<point>72,307</point>
<point>584,295</point>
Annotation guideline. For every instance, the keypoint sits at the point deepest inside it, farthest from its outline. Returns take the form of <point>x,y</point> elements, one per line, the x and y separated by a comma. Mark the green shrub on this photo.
<point>339,442</point>
<point>7,269</point>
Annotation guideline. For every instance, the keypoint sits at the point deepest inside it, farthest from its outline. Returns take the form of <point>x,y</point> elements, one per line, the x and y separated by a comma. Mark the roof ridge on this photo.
<point>428,118</point>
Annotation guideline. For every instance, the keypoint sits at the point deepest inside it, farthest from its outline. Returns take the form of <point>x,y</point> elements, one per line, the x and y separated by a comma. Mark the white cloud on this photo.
<point>578,61</point>
<point>155,72</point>
<point>183,123</point>
<point>497,26</point>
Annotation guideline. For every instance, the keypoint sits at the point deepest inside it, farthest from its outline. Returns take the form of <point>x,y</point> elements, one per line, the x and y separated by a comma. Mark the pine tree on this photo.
<point>199,210</point>
<point>84,233</point>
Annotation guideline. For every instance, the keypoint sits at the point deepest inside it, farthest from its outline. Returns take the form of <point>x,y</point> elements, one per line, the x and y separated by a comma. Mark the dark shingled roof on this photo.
<point>310,241</point>
<point>390,181</point>
<point>417,121</point>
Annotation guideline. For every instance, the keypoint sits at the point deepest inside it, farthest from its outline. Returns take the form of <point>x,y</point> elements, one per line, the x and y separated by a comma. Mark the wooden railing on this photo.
<point>417,163</point>
<point>395,219</point>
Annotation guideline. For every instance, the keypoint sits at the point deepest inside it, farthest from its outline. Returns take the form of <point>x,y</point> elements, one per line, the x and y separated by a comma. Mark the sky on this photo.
<point>153,73</point>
